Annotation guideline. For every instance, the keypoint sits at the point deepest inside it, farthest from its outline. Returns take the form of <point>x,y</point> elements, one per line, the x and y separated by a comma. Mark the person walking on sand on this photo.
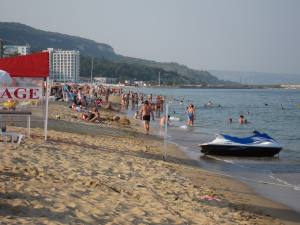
<point>146,111</point>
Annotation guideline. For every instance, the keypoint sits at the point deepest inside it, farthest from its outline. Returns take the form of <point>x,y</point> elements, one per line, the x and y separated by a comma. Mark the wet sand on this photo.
<point>110,173</point>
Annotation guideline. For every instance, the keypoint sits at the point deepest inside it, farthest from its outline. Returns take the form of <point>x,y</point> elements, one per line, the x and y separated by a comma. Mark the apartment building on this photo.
<point>64,65</point>
<point>14,50</point>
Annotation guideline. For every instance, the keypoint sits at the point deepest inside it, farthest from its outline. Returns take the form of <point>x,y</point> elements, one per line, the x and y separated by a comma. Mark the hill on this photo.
<point>20,34</point>
<point>131,71</point>
<point>195,76</point>
<point>107,62</point>
<point>257,78</point>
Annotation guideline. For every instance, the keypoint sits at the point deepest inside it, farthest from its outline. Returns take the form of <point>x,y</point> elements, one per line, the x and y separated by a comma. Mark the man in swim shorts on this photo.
<point>146,111</point>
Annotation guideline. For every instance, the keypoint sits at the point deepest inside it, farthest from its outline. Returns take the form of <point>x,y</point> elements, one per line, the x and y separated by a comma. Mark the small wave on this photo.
<point>281,183</point>
<point>284,183</point>
<point>227,161</point>
<point>174,118</point>
<point>290,139</point>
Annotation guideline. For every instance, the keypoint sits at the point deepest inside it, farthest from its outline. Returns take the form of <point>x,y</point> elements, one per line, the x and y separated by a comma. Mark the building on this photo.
<point>65,65</point>
<point>14,50</point>
<point>1,48</point>
<point>84,80</point>
<point>105,80</point>
<point>140,83</point>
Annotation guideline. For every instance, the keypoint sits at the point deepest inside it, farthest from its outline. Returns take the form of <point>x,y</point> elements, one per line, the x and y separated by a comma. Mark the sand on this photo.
<point>111,174</point>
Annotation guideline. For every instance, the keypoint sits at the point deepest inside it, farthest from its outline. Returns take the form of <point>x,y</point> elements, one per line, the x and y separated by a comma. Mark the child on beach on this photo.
<point>163,121</point>
<point>76,108</point>
<point>137,115</point>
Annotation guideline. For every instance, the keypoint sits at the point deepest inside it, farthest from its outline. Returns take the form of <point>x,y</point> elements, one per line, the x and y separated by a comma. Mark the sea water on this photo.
<point>272,111</point>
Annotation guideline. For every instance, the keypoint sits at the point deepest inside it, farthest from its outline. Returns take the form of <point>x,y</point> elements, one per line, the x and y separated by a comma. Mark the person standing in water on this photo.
<point>191,115</point>
<point>242,120</point>
<point>146,112</point>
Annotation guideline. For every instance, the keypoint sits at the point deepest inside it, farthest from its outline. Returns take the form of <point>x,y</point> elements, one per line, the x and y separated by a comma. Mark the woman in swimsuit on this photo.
<point>191,115</point>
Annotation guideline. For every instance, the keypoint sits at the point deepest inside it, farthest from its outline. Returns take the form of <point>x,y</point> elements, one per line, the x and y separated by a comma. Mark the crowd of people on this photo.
<point>137,99</point>
<point>85,98</point>
<point>88,99</point>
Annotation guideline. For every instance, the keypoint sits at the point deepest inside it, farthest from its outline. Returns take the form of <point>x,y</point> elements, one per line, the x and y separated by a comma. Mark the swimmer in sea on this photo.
<point>209,104</point>
<point>242,120</point>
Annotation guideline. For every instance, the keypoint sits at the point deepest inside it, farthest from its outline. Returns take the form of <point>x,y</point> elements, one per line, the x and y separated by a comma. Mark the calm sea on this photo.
<point>273,111</point>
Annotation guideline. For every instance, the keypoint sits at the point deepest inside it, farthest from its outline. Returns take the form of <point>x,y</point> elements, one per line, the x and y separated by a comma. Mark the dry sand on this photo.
<point>109,174</point>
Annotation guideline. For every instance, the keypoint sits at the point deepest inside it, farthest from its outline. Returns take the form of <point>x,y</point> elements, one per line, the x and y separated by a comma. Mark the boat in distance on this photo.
<point>257,145</point>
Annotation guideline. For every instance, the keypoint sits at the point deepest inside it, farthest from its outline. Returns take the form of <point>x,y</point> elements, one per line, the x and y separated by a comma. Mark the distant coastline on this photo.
<point>228,86</point>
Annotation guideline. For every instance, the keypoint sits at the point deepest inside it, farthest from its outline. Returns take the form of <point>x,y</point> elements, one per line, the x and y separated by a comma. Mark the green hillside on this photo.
<point>131,71</point>
<point>107,62</point>
<point>20,34</point>
<point>194,76</point>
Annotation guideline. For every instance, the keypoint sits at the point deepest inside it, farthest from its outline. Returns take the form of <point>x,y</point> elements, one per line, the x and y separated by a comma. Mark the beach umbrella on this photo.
<point>5,79</point>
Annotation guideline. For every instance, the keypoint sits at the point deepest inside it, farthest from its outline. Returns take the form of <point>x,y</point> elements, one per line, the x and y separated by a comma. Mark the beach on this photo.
<point>111,173</point>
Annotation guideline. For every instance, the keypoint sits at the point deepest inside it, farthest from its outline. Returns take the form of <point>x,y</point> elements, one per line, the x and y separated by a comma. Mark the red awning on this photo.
<point>34,65</point>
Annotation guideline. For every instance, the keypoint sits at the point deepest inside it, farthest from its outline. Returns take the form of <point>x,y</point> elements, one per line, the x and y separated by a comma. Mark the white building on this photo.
<point>64,65</point>
<point>13,50</point>
<point>105,80</point>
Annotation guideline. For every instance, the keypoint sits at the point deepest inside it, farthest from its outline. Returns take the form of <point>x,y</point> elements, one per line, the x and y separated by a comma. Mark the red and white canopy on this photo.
<point>34,65</point>
<point>22,67</point>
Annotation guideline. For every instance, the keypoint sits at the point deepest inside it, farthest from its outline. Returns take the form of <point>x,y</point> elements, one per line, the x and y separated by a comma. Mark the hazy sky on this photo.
<point>243,35</point>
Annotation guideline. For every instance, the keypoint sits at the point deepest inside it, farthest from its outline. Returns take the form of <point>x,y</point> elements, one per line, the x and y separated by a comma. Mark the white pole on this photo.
<point>166,131</point>
<point>158,78</point>
<point>28,125</point>
<point>92,69</point>
<point>46,112</point>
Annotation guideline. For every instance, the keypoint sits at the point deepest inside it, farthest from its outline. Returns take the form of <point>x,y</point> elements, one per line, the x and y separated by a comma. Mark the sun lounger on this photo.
<point>13,137</point>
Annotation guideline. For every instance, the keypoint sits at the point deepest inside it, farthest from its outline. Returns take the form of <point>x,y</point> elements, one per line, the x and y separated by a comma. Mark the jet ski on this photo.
<point>257,145</point>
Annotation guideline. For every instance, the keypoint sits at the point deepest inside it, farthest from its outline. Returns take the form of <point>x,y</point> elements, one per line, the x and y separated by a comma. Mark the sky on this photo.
<point>234,35</point>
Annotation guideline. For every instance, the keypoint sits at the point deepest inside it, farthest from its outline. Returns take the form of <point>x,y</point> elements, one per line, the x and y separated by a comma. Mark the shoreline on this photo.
<point>277,209</point>
<point>274,208</point>
<point>225,86</point>
<point>118,175</point>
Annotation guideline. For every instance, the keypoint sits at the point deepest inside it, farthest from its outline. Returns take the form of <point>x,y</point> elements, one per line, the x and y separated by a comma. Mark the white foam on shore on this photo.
<point>226,160</point>
<point>284,183</point>
<point>173,118</point>
<point>280,182</point>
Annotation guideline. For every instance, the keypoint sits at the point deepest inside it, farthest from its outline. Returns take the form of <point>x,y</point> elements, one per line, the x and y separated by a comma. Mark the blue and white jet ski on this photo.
<point>257,145</point>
